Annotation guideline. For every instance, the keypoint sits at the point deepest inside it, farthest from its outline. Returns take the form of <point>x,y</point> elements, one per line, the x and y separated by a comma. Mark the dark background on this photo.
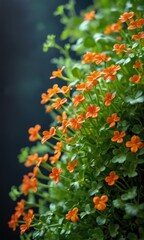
<point>24,75</point>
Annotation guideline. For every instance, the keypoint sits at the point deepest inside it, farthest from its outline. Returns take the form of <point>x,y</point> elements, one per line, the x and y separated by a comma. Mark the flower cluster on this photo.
<point>86,171</point>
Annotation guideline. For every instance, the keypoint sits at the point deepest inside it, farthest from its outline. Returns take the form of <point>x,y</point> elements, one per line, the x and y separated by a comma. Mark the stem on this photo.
<point>46,166</point>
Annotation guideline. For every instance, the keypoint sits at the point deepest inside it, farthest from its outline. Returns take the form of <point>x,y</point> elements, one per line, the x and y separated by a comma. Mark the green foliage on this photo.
<point>91,184</point>
<point>23,154</point>
<point>15,193</point>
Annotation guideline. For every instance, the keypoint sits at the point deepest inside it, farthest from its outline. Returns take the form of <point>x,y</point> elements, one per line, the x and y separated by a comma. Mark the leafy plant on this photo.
<point>86,177</point>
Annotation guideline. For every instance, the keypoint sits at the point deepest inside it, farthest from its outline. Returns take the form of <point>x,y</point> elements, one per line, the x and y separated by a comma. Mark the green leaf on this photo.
<point>115,151</point>
<point>130,168</point>
<point>89,42</point>
<point>50,42</point>
<point>120,61</point>
<point>122,238</point>
<point>65,34</point>
<point>98,170</point>
<point>35,234</point>
<point>60,221</point>
<point>87,208</point>
<point>137,128</point>
<point>127,60</point>
<point>101,220</point>
<point>14,193</point>
<point>132,193</point>
<point>76,72</point>
<point>84,26</point>
<point>113,228</point>
<point>120,158</point>
<point>83,214</point>
<point>59,10</point>
<point>67,46</point>
<point>24,152</point>
<point>40,149</point>
<point>95,188</point>
<point>141,152</point>
<point>134,100</point>
<point>132,236</point>
<point>124,124</point>
<point>140,8</point>
<point>118,203</point>
<point>131,209</point>
<point>98,234</point>
<point>52,207</point>
<point>103,37</point>
<point>138,94</point>
<point>135,45</point>
<point>131,55</point>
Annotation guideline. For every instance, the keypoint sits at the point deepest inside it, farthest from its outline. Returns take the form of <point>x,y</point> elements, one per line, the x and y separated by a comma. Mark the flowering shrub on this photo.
<point>86,171</point>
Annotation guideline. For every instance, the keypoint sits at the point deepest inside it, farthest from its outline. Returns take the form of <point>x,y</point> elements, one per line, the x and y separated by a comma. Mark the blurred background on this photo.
<point>25,72</point>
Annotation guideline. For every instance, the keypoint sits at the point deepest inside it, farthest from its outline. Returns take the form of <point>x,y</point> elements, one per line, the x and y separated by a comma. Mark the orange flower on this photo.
<point>55,158</point>
<point>64,126</point>
<point>78,99</point>
<point>34,132</point>
<point>134,144</point>
<point>92,78</point>
<point>55,174</point>
<point>89,57</point>
<point>108,98</point>
<point>110,72</point>
<point>112,120</point>
<point>41,159</point>
<point>136,24</point>
<point>89,16</point>
<point>72,165</point>
<point>118,38</point>
<point>34,173</point>
<point>135,79</point>
<point>138,64</point>
<point>100,202</point>
<point>48,134</point>
<point>19,211</point>
<point>108,30</point>
<point>31,160</point>
<point>111,178</point>
<point>69,139</point>
<point>66,89</point>
<point>59,102</point>
<point>54,90</point>
<point>58,147</point>
<point>13,221</point>
<point>62,117</point>
<point>126,16</point>
<point>82,116</point>
<point>57,73</point>
<point>75,123</point>
<point>92,111</point>
<point>119,48</point>
<point>115,27</point>
<point>101,57</point>
<point>118,136</point>
<point>72,215</point>
<point>28,219</point>
<point>48,108</point>
<point>45,98</point>
<point>28,183</point>
<point>138,36</point>
<point>20,208</point>
<point>84,86</point>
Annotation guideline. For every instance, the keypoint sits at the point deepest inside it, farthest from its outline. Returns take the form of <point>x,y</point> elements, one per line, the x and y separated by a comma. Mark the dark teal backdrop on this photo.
<point>25,71</point>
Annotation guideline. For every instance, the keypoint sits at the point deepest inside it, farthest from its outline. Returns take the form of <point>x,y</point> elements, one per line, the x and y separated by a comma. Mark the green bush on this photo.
<point>86,171</point>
